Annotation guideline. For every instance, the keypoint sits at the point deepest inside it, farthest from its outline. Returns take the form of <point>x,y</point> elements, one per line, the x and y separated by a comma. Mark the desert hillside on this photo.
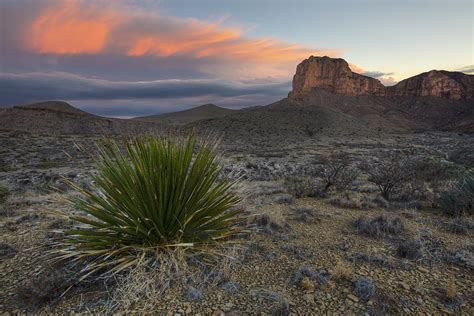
<point>202,112</point>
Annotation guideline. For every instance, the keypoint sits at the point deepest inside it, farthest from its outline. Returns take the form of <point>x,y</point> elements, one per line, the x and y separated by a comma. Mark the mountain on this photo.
<point>436,83</point>
<point>327,99</point>
<point>439,100</point>
<point>56,117</point>
<point>203,112</point>
<point>335,75</point>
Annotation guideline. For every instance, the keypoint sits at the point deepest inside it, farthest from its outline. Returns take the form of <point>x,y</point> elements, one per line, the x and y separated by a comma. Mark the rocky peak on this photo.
<point>436,83</point>
<point>335,75</point>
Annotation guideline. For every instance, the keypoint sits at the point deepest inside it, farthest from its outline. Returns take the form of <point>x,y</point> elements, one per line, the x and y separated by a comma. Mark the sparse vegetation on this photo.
<point>409,249</point>
<point>460,225</point>
<point>299,186</point>
<point>364,288</point>
<point>343,272</point>
<point>156,195</point>
<point>389,174</point>
<point>6,250</point>
<point>379,226</point>
<point>4,192</point>
<point>459,199</point>
<point>336,171</point>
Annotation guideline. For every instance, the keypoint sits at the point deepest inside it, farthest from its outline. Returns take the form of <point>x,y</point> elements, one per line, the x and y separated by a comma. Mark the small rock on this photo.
<point>353,298</point>
<point>309,298</point>
<point>404,285</point>
<point>424,270</point>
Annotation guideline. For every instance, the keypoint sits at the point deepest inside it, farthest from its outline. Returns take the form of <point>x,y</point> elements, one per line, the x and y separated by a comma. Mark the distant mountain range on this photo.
<point>327,98</point>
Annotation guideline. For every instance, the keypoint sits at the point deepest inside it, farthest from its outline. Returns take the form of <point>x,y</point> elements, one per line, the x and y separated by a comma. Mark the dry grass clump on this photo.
<point>343,272</point>
<point>143,286</point>
<point>451,290</point>
<point>307,284</point>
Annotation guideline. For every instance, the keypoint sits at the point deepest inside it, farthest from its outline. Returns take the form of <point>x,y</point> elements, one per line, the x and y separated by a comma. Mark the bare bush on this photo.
<point>389,174</point>
<point>336,171</point>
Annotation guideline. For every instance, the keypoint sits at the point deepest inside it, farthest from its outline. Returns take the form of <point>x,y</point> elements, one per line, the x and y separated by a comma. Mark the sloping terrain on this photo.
<point>62,118</point>
<point>286,120</point>
<point>398,112</point>
<point>206,111</point>
<point>58,106</point>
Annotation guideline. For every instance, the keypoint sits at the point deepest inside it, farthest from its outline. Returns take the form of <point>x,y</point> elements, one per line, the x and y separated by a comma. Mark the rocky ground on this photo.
<point>304,255</point>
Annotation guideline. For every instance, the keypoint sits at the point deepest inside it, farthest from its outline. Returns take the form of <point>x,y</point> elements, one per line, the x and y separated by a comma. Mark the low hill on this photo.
<point>56,117</point>
<point>57,106</point>
<point>203,112</point>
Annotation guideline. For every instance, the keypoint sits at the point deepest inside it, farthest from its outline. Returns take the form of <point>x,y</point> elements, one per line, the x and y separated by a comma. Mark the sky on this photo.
<point>127,58</point>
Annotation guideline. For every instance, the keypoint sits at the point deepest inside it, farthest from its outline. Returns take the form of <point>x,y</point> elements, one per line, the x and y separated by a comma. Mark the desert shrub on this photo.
<point>461,257</point>
<point>193,294</point>
<point>379,226</point>
<point>299,186</point>
<point>374,259</point>
<point>424,247</point>
<point>389,174</point>
<point>347,201</point>
<point>427,177</point>
<point>4,192</point>
<point>364,288</point>
<point>381,202</point>
<point>336,172</point>
<point>153,195</point>
<point>460,225</point>
<point>459,199</point>
<point>230,287</point>
<point>409,249</point>
<point>6,250</point>
<point>321,277</point>
<point>284,199</point>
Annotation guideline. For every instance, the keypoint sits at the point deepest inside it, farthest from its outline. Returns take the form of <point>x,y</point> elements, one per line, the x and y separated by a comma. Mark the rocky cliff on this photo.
<point>334,75</point>
<point>446,84</point>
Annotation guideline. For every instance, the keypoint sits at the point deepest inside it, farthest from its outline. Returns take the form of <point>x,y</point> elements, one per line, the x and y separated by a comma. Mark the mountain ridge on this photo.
<point>335,75</point>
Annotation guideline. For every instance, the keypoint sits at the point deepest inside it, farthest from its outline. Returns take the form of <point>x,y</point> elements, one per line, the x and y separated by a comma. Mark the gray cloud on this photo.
<point>131,97</point>
<point>377,74</point>
<point>467,69</point>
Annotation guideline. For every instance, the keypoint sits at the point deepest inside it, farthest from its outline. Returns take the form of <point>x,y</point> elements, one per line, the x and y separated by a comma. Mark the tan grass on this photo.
<point>343,272</point>
<point>451,290</point>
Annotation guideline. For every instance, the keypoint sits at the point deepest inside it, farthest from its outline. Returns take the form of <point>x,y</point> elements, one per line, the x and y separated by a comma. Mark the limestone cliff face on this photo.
<point>334,75</point>
<point>446,84</point>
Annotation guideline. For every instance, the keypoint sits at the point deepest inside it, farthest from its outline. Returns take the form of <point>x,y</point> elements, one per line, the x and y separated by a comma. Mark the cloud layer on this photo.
<point>96,50</point>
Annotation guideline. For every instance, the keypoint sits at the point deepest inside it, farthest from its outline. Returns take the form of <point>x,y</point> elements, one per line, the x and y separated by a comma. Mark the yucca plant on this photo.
<point>151,195</point>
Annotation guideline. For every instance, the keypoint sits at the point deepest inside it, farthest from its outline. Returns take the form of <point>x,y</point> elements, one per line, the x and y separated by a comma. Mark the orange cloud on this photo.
<point>72,28</point>
<point>90,27</point>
